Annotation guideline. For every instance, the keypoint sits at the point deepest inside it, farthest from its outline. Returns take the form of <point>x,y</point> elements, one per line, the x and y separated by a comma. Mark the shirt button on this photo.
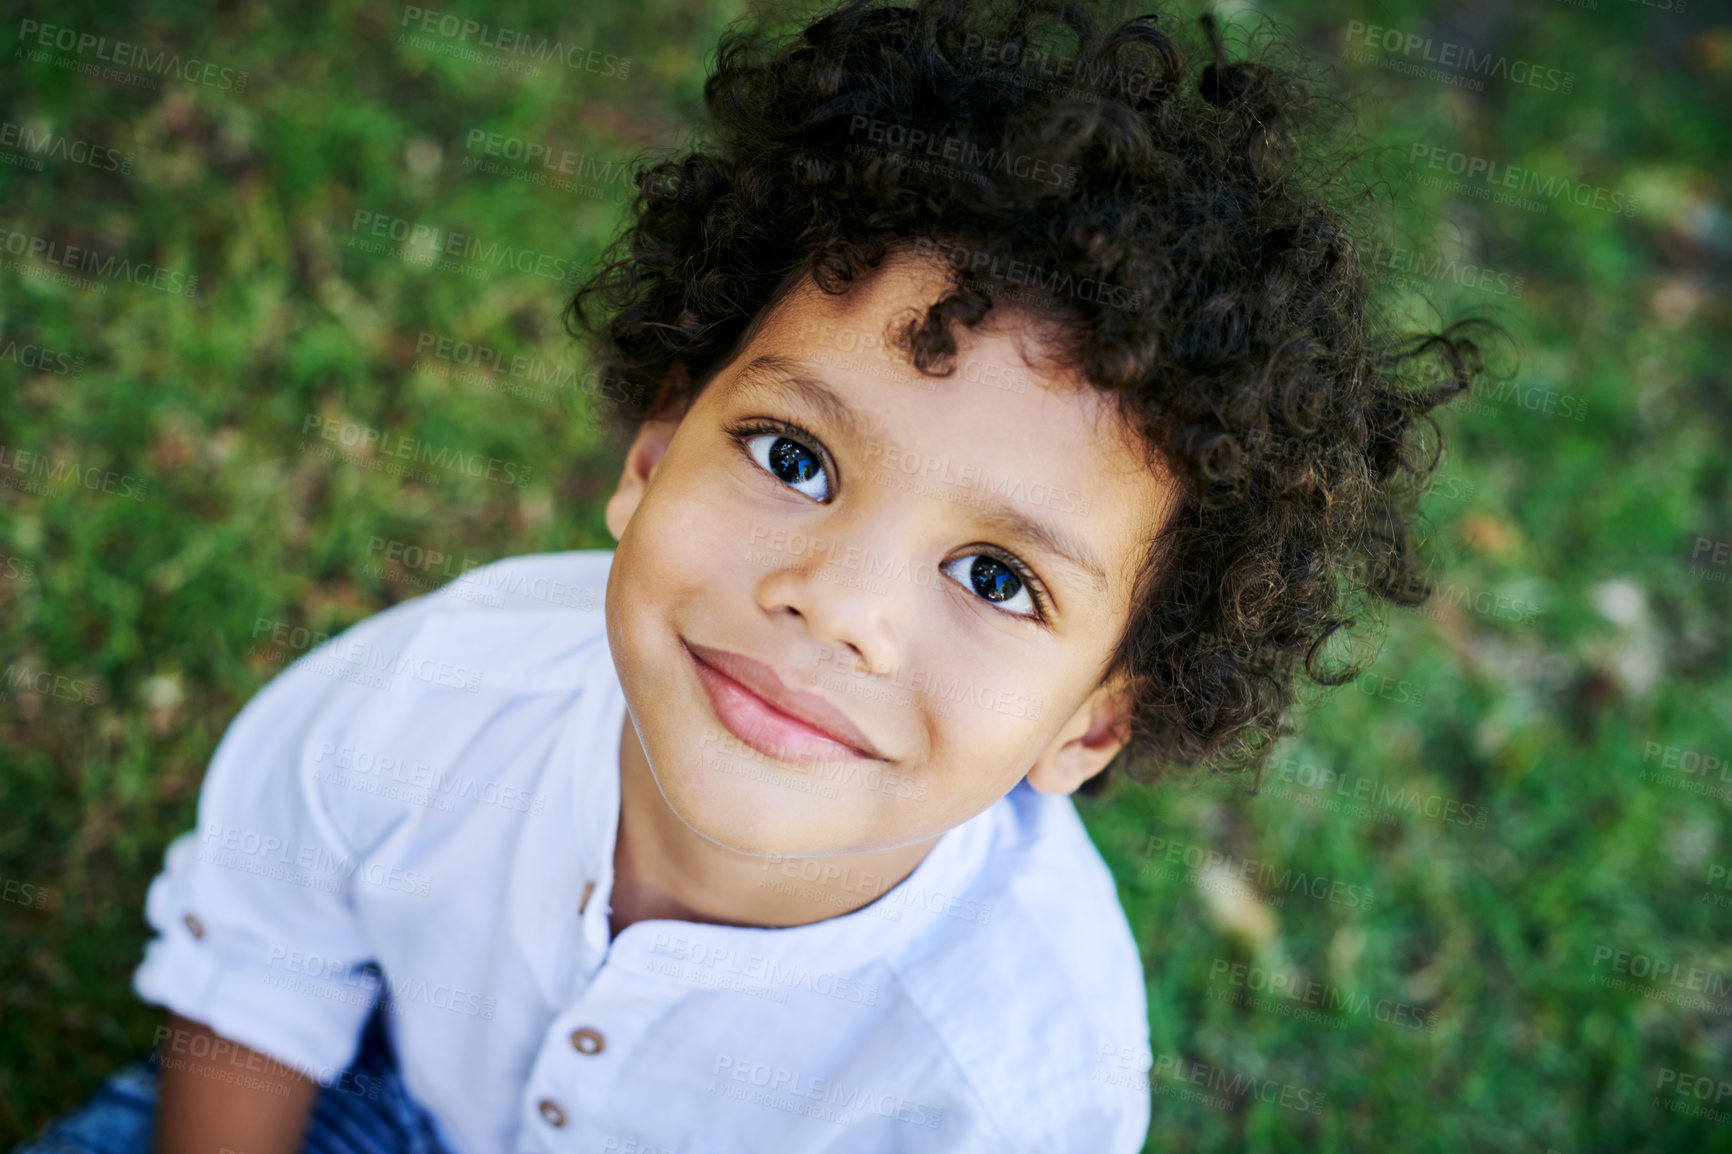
<point>551,1112</point>
<point>194,926</point>
<point>587,1041</point>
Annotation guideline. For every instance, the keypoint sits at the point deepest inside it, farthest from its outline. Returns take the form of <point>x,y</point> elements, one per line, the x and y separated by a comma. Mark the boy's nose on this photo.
<point>839,608</point>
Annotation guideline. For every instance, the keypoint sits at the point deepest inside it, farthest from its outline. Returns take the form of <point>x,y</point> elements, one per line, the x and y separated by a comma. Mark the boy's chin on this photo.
<point>759,820</point>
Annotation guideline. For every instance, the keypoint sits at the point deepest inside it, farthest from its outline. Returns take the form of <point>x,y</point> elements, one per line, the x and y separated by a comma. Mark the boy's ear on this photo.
<point>640,465</point>
<point>1086,743</point>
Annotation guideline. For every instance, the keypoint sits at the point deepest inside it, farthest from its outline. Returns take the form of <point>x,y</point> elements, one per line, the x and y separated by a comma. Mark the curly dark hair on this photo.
<point>1194,241</point>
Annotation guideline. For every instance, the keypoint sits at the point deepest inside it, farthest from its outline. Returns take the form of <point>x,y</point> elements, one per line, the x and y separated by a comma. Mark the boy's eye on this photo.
<point>993,580</point>
<point>791,463</point>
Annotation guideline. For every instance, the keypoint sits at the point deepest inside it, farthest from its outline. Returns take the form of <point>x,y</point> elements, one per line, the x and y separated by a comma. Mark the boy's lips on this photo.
<point>788,724</point>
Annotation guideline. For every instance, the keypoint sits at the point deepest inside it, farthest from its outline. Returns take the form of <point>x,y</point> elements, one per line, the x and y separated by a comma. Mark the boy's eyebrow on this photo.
<point>772,373</point>
<point>1012,521</point>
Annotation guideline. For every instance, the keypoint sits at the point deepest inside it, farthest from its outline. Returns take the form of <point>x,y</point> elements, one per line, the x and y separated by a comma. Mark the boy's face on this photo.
<point>853,611</point>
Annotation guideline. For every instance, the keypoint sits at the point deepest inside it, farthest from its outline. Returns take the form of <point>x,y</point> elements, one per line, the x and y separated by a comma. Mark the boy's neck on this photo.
<point>664,869</point>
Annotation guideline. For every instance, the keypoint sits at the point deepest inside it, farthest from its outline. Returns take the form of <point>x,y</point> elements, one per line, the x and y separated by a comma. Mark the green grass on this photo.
<point>1488,933</point>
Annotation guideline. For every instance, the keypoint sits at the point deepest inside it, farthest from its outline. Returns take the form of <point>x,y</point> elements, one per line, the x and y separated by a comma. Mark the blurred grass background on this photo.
<point>1579,646</point>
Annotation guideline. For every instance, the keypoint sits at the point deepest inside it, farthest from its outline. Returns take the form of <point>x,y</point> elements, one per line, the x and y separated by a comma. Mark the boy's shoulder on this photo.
<point>572,582</point>
<point>1052,986</point>
<point>402,692</point>
<point>520,623</point>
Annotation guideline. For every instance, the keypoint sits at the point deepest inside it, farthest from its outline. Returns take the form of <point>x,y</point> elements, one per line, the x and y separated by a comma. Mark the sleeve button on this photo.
<point>551,1112</point>
<point>194,926</point>
<point>587,1041</point>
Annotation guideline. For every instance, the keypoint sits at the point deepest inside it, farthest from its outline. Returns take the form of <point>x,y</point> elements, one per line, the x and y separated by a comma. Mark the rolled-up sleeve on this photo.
<point>257,932</point>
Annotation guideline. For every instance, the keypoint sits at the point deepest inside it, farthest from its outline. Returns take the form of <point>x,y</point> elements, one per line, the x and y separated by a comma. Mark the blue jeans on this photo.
<point>367,1111</point>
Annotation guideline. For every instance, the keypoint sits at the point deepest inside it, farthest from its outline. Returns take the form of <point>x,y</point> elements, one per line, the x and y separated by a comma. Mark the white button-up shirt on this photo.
<point>425,809</point>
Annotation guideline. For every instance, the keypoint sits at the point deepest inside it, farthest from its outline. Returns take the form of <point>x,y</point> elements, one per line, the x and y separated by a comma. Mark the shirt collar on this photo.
<point>570,845</point>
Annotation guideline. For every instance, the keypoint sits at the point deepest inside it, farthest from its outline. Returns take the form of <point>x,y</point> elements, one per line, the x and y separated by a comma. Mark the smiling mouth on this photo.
<point>788,725</point>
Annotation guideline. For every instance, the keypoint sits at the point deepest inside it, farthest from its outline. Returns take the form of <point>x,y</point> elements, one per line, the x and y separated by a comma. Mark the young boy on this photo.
<point>996,410</point>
